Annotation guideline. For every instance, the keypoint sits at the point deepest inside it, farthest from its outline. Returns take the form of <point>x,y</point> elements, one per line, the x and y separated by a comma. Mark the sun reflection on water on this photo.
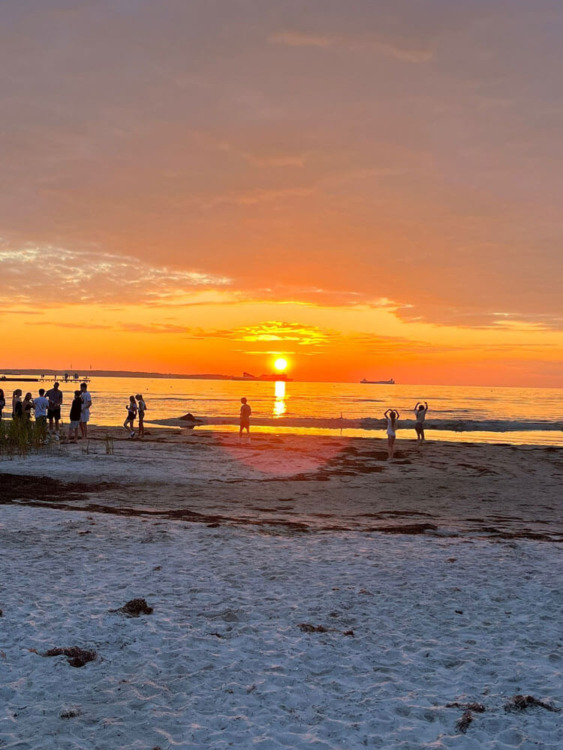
<point>279,404</point>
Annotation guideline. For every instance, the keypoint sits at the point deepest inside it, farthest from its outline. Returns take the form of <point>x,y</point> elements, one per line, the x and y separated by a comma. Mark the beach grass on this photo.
<point>20,437</point>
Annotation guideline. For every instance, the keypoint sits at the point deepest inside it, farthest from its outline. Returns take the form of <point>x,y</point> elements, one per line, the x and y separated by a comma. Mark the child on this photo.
<point>142,410</point>
<point>420,415</point>
<point>391,417</point>
<point>74,417</point>
<point>245,412</point>
<point>131,415</point>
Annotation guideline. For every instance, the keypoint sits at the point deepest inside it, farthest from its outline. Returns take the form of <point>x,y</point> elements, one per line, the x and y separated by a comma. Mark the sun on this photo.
<point>280,364</point>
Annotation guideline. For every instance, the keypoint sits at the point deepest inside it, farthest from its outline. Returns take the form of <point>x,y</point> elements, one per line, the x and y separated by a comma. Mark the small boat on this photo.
<point>378,382</point>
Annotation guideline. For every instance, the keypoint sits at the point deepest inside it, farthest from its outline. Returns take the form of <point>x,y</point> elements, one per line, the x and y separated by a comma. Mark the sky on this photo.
<point>371,189</point>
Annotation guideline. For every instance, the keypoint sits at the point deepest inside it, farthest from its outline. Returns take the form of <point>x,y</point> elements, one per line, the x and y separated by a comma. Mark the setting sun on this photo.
<point>280,364</point>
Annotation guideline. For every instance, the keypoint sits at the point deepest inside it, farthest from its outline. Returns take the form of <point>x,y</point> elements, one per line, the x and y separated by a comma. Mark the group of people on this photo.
<point>392,416</point>
<point>135,408</point>
<point>47,410</point>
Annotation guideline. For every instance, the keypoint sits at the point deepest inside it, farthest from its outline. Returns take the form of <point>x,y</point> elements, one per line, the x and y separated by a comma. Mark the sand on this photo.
<point>306,593</point>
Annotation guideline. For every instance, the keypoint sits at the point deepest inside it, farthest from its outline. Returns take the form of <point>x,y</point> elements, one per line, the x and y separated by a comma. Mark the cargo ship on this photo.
<point>378,382</point>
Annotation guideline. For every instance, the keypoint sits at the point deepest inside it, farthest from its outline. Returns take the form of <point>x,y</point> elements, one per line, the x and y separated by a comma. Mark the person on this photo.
<point>245,412</point>
<point>129,423</point>
<point>41,406</point>
<point>420,415</point>
<point>85,412</point>
<point>55,397</point>
<point>391,416</point>
<point>27,406</point>
<point>74,417</point>
<point>2,402</point>
<point>17,406</point>
<point>142,409</point>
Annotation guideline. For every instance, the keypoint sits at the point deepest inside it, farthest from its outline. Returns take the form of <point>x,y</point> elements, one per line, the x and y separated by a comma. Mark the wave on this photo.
<point>368,423</point>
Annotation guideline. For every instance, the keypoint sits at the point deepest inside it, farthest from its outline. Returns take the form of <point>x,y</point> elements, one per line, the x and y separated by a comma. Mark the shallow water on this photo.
<point>476,414</point>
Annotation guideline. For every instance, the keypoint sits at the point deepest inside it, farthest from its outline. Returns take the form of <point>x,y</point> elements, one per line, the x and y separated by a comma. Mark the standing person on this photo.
<point>129,423</point>
<point>55,397</point>
<point>17,406</point>
<point>27,406</point>
<point>245,412</point>
<point>2,402</point>
<point>420,415</point>
<point>41,406</point>
<point>391,416</point>
<point>86,406</point>
<point>142,409</point>
<point>74,417</point>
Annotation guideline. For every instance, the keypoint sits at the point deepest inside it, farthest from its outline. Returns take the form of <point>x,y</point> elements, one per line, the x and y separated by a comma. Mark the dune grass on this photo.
<point>20,437</point>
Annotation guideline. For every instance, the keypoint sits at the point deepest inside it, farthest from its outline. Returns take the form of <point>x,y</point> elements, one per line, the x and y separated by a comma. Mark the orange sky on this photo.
<point>371,188</point>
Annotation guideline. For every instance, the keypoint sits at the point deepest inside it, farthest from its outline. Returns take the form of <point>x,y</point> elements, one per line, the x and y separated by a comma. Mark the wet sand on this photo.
<point>300,483</point>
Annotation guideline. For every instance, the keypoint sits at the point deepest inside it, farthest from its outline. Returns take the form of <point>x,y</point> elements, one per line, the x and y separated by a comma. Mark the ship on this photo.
<point>378,382</point>
<point>247,376</point>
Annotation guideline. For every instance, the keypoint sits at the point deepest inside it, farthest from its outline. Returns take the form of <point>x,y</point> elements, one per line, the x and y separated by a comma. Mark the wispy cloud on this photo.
<point>398,49</point>
<point>49,275</point>
<point>168,328</point>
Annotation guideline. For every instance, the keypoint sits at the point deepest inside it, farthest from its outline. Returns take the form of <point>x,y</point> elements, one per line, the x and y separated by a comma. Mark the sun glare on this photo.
<point>280,364</point>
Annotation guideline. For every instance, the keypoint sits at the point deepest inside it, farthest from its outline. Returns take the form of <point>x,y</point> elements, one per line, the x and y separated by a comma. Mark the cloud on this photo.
<point>51,275</point>
<point>168,328</point>
<point>403,51</point>
<point>271,331</point>
<point>313,337</point>
<point>330,153</point>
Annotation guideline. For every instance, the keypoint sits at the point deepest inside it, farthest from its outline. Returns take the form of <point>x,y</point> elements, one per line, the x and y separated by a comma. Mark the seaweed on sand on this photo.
<point>522,702</point>
<point>134,608</point>
<point>77,657</point>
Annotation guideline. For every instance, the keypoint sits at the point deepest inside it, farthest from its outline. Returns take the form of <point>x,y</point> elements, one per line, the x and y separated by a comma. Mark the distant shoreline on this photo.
<point>115,374</point>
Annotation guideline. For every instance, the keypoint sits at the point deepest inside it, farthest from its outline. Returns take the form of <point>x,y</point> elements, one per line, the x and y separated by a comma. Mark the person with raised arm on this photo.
<point>392,416</point>
<point>420,411</point>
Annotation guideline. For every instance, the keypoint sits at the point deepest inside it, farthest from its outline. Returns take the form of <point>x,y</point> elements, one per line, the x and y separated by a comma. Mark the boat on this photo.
<point>378,382</point>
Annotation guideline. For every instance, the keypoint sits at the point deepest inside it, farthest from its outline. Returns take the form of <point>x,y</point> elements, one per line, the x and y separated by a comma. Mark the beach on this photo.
<point>306,592</point>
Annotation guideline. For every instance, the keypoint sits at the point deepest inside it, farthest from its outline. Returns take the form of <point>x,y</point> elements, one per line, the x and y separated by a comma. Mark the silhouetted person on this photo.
<point>55,397</point>
<point>86,406</point>
<point>245,412</point>
<point>392,418</point>
<point>420,411</point>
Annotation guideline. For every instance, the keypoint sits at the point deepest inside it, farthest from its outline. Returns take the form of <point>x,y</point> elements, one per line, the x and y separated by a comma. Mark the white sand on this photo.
<point>222,663</point>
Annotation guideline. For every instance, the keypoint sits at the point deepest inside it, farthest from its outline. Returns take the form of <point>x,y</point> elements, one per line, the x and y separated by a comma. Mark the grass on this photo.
<point>20,437</point>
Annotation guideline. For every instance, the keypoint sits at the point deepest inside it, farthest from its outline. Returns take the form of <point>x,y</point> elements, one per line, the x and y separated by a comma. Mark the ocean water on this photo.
<point>476,414</point>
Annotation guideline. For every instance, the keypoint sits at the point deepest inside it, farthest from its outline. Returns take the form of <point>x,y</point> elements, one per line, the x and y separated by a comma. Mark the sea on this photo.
<point>517,416</point>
